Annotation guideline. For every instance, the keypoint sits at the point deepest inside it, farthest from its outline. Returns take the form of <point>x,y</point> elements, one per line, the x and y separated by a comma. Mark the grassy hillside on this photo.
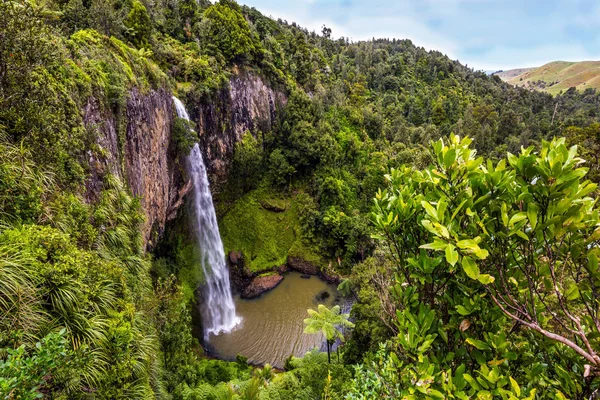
<point>558,76</point>
<point>512,73</point>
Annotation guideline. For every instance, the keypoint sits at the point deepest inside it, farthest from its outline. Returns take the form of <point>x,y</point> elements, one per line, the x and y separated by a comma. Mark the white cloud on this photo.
<point>358,27</point>
<point>485,34</point>
<point>502,57</point>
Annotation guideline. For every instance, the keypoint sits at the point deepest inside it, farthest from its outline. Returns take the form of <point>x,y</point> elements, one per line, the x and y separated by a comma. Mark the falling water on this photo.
<point>219,310</point>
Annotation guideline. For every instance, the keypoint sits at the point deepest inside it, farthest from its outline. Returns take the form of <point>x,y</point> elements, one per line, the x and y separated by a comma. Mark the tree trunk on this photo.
<point>328,353</point>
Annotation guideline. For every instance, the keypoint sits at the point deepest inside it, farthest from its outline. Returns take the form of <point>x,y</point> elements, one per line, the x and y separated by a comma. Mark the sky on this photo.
<point>484,34</point>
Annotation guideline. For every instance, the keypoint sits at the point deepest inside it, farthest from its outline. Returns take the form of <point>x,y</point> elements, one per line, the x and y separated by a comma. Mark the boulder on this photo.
<point>239,274</point>
<point>273,205</point>
<point>324,295</point>
<point>283,269</point>
<point>235,257</point>
<point>302,266</point>
<point>330,278</point>
<point>260,285</point>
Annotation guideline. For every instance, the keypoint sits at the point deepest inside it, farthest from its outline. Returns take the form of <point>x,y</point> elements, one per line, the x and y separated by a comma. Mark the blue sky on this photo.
<point>485,34</point>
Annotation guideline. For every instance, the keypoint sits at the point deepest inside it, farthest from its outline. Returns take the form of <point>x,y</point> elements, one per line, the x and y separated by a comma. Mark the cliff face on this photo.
<point>135,146</point>
<point>151,171</point>
<point>145,161</point>
<point>247,104</point>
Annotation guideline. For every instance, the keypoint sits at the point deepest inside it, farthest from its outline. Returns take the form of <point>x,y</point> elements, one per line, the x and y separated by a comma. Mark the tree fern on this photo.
<point>326,321</point>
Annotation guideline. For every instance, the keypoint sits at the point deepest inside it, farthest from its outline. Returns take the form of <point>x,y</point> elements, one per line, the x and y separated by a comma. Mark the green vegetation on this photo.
<point>474,276</point>
<point>226,32</point>
<point>494,272</point>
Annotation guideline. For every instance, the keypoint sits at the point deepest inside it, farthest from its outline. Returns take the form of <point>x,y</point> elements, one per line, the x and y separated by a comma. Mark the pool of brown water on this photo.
<point>272,327</point>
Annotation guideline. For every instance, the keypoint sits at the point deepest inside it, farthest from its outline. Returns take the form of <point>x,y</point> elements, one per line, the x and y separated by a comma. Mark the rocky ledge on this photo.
<point>251,285</point>
<point>302,266</point>
<point>261,284</point>
<point>308,268</point>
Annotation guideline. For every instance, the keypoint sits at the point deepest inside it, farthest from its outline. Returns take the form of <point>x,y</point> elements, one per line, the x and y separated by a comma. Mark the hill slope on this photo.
<point>557,76</point>
<point>512,73</point>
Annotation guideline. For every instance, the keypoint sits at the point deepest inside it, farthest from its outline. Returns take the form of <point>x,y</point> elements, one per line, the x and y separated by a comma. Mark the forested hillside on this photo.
<point>451,206</point>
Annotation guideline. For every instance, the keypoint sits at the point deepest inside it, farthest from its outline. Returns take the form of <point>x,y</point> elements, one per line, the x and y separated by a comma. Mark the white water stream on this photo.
<point>219,308</point>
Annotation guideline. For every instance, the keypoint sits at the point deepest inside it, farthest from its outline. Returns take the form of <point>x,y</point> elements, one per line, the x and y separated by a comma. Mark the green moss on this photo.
<point>112,66</point>
<point>178,254</point>
<point>302,250</point>
<point>264,236</point>
<point>270,273</point>
<point>189,269</point>
<point>277,205</point>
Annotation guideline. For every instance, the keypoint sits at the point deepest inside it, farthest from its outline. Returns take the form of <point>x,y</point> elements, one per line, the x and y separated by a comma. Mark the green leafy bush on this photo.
<point>478,246</point>
<point>23,374</point>
<point>183,136</point>
<point>138,24</point>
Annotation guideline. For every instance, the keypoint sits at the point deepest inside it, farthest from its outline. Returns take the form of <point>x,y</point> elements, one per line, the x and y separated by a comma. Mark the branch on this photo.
<point>594,360</point>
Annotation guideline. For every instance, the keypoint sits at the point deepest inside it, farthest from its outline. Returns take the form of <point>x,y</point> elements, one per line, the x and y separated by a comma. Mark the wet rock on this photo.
<point>304,276</point>
<point>235,257</point>
<point>330,278</point>
<point>324,295</point>
<point>302,266</point>
<point>260,285</point>
<point>239,275</point>
<point>283,269</point>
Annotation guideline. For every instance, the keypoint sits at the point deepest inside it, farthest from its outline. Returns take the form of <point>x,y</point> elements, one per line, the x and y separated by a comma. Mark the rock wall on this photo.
<point>247,104</point>
<point>150,168</point>
<point>145,160</point>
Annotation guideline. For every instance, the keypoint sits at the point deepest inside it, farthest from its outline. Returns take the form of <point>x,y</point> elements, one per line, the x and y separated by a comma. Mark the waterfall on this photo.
<point>219,311</point>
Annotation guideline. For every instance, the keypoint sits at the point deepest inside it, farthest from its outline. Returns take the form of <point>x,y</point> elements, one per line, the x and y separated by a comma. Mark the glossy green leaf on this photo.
<point>470,267</point>
<point>485,279</point>
<point>532,212</point>
<point>515,386</point>
<point>518,217</point>
<point>451,254</point>
<point>478,344</point>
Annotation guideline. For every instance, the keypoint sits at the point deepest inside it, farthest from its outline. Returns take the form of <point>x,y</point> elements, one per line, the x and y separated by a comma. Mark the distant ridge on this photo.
<point>556,76</point>
<point>512,73</point>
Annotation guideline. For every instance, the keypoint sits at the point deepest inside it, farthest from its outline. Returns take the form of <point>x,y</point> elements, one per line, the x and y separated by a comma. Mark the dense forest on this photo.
<point>459,212</point>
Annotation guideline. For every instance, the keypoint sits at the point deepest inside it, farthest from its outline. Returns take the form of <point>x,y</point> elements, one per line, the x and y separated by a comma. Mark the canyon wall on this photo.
<point>247,104</point>
<point>135,144</point>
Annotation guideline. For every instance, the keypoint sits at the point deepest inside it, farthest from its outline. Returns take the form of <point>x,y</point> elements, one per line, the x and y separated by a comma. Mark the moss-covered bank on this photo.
<point>265,226</point>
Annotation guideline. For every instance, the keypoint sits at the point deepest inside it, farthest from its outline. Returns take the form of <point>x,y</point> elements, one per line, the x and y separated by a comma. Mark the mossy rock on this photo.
<point>302,251</point>
<point>275,205</point>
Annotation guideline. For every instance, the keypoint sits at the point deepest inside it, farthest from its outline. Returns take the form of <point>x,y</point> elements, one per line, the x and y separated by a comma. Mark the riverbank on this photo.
<point>251,284</point>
